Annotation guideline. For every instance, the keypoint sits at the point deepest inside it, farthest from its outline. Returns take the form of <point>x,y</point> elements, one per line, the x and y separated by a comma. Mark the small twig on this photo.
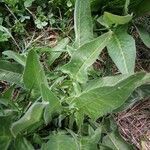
<point>11,12</point>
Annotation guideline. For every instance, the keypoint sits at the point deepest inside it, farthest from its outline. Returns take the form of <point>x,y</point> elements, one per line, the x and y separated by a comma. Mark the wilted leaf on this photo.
<point>84,57</point>
<point>122,50</point>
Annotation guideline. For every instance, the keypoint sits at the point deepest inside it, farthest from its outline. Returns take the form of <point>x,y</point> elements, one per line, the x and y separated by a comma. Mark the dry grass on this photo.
<point>134,124</point>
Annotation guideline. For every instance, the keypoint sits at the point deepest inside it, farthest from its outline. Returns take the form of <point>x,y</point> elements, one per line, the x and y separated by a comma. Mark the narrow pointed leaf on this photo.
<point>122,50</point>
<point>54,105</point>
<point>57,50</point>
<point>83,22</point>
<point>99,101</point>
<point>111,19</point>
<point>31,117</point>
<point>144,35</point>
<point>34,74</point>
<point>84,57</point>
<point>15,56</point>
<point>11,72</point>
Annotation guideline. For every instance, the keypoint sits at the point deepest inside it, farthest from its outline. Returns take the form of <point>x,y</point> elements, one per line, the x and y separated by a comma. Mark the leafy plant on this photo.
<point>60,106</point>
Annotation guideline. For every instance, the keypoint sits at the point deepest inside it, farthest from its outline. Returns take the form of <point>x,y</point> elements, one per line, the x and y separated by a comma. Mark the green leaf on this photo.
<point>144,35</point>
<point>4,142</point>
<point>15,56</point>
<point>111,19</point>
<point>28,3</point>
<point>91,142</point>
<point>53,106</point>
<point>83,22</point>
<point>34,74</point>
<point>4,34</point>
<point>84,57</point>
<point>105,81</point>
<point>99,101</point>
<point>57,50</point>
<point>87,144</point>
<point>22,144</point>
<point>114,141</point>
<point>5,135</point>
<point>31,117</point>
<point>126,6</point>
<point>10,72</point>
<point>143,8</point>
<point>122,50</point>
<point>6,98</point>
<point>61,45</point>
<point>10,66</point>
<point>60,142</point>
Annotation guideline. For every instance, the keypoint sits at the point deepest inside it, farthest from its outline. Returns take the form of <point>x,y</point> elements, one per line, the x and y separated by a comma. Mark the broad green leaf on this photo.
<point>31,117</point>
<point>111,19</point>
<point>60,142</point>
<point>84,57</point>
<point>83,22</point>
<point>122,50</point>
<point>140,94</point>
<point>11,77</point>
<point>105,81</point>
<point>115,142</point>
<point>15,56</point>
<point>53,106</point>
<point>22,144</point>
<point>11,72</point>
<point>10,66</point>
<point>34,74</point>
<point>99,101</point>
<point>144,35</point>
